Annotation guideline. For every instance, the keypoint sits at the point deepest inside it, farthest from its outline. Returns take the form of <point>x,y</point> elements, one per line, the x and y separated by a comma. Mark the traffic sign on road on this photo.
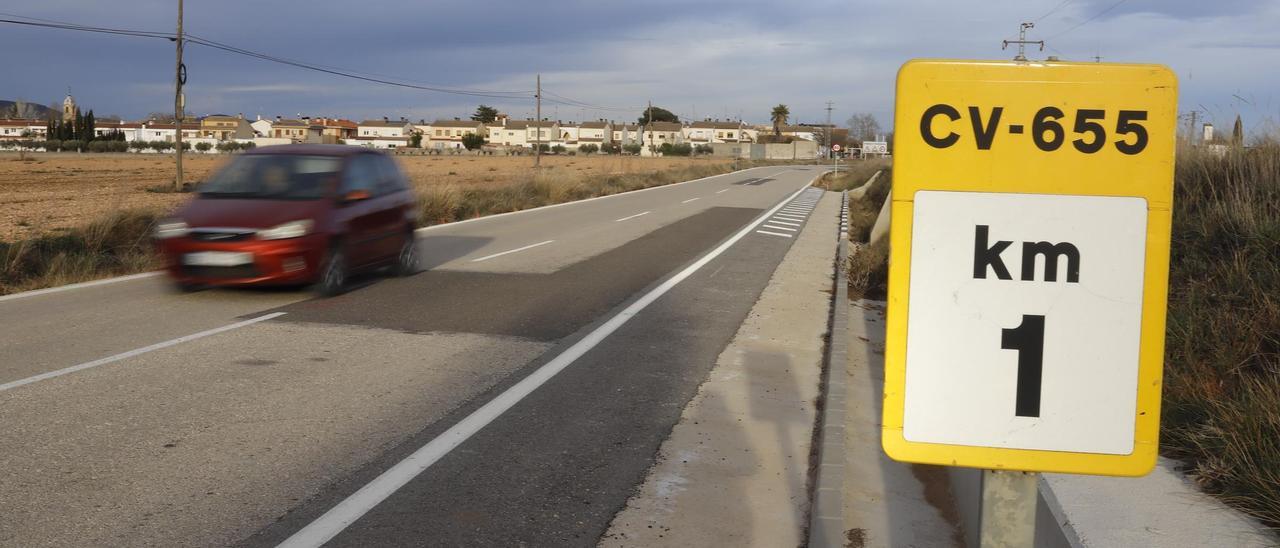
<point>1029,265</point>
<point>835,148</point>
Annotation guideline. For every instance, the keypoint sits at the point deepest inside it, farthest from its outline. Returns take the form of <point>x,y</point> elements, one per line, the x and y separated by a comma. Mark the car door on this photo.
<point>363,228</point>
<point>391,204</point>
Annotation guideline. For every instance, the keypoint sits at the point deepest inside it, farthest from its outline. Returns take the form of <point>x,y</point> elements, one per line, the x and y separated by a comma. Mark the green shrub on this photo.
<point>204,146</point>
<point>588,148</point>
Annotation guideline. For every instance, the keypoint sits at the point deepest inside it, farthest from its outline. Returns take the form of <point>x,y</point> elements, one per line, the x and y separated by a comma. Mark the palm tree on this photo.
<point>779,116</point>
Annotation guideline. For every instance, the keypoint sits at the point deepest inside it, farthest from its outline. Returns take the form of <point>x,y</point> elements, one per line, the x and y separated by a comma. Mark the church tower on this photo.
<point>69,108</point>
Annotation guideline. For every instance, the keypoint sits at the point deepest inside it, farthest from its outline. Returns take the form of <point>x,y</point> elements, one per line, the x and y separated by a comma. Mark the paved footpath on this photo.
<point>735,471</point>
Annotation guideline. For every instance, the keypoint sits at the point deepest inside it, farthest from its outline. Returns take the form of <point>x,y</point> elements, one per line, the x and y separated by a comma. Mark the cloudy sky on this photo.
<point>703,58</point>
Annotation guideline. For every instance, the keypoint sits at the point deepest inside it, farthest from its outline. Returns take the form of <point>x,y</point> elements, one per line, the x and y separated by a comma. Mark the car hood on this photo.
<point>238,213</point>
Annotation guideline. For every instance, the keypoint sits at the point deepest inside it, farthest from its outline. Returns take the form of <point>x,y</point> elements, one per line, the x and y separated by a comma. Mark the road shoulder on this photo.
<point>735,469</point>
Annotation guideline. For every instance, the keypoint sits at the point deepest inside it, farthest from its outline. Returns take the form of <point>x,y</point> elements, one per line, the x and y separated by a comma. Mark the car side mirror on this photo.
<point>356,196</point>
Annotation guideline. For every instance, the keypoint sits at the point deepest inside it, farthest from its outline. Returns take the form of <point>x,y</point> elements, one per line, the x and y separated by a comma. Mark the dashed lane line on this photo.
<point>632,217</point>
<point>136,352</point>
<point>510,251</point>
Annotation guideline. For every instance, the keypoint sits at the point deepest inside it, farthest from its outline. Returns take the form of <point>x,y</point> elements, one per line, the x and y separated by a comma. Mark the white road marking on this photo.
<point>785,223</point>
<point>796,211</point>
<point>516,250</point>
<point>357,504</point>
<point>773,233</point>
<point>627,193</point>
<point>81,285</point>
<point>132,353</point>
<point>789,216</point>
<point>691,200</point>
<point>631,217</point>
<point>771,227</point>
<point>725,190</point>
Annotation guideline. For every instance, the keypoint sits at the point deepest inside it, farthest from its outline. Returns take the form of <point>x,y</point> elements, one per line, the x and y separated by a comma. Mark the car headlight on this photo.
<point>291,229</point>
<point>171,228</point>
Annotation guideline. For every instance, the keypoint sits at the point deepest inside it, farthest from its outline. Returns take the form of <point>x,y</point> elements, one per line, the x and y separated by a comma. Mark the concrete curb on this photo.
<point>826,516</point>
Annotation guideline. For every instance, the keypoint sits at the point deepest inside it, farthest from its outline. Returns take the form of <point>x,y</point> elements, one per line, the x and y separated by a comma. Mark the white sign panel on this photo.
<point>1023,323</point>
<point>875,147</point>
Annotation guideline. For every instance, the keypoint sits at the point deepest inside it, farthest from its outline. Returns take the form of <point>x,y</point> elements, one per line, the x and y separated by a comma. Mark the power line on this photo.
<point>326,69</point>
<point>63,25</point>
<point>85,28</point>
<point>574,102</point>
<point>1054,10</point>
<point>349,74</point>
<point>1089,20</point>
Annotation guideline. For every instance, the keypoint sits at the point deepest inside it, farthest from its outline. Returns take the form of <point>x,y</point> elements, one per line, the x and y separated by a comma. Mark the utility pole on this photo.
<point>179,78</point>
<point>1022,42</point>
<point>648,123</point>
<point>827,131</point>
<point>537,126</point>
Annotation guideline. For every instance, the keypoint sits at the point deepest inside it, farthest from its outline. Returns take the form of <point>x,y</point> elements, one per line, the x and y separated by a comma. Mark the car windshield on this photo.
<point>276,177</point>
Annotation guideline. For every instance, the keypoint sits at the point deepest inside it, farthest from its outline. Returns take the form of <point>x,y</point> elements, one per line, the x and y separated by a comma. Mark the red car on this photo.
<point>293,214</point>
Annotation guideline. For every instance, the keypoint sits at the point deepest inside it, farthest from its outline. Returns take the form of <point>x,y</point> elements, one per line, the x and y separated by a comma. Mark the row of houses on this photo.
<point>440,134</point>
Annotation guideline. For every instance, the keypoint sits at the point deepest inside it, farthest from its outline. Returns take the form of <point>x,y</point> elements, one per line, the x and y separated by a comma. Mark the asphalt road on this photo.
<point>515,392</point>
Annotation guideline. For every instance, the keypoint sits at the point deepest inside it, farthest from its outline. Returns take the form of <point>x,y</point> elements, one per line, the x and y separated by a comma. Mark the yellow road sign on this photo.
<point>1029,265</point>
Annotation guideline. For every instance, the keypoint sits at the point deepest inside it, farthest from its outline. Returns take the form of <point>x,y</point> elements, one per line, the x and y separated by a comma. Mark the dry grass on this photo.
<point>118,243</point>
<point>853,174</point>
<point>1222,361</point>
<point>869,263</point>
<point>57,192</point>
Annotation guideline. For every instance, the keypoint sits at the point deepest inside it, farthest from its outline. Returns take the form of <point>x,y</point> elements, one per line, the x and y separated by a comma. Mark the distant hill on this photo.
<point>10,109</point>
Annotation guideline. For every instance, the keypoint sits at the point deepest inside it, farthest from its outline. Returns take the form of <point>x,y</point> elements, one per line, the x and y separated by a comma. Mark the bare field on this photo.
<point>53,192</point>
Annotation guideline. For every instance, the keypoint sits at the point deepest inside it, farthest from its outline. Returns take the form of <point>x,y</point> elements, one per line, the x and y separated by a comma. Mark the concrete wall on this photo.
<point>795,150</point>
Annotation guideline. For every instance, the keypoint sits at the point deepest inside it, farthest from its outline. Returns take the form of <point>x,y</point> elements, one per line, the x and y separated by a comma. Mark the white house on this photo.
<point>595,133</point>
<point>132,130</point>
<point>625,134</point>
<point>709,131</point>
<point>658,133</point>
<point>261,128</point>
<point>159,131</point>
<point>524,133</point>
<point>15,129</point>
<point>384,128</point>
<point>449,133</point>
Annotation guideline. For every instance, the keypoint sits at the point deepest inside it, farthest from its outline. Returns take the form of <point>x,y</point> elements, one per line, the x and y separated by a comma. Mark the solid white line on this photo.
<point>80,285</point>
<point>790,216</point>
<point>690,200</point>
<point>631,217</point>
<point>796,211</point>
<point>628,193</point>
<point>785,223</point>
<point>531,246</point>
<point>132,353</point>
<point>725,190</point>
<point>771,227</point>
<point>773,233</point>
<point>350,509</point>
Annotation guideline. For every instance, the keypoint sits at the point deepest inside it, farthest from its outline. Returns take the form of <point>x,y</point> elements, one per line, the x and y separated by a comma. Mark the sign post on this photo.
<point>1028,270</point>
